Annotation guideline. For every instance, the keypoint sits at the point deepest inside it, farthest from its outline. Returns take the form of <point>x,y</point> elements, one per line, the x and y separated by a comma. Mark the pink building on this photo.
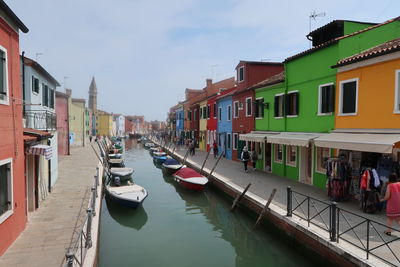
<point>62,123</point>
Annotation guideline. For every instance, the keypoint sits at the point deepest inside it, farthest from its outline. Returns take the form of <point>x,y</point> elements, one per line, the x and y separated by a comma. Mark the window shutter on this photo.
<point>2,74</point>
<point>276,106</point>
<point>324,99</point>
<point>349,97</point>
<point>33,84</point>
<point>331,98</point>
<point>286,105</point>
<point>43,95</point>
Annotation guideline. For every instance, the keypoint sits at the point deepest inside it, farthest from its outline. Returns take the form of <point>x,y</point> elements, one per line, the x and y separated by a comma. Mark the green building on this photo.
<point>299,106</point>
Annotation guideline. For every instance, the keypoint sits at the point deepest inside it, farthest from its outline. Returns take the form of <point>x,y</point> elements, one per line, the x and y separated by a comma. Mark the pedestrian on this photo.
<point>193,146</point>
<point>392,197</point>
<point>254,158</point>
<point>90,138</point>
<point>245,158</point>
<point>215,149</point>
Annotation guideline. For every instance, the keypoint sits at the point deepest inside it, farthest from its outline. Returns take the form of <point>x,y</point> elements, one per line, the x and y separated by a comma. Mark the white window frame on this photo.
<point>247,106</point>
<point>317,169</point>
<point>228,141</point>
<point>238,74</point>
<point>8,213</point>
<point>288,162</point>
<point>397,92</point>
<point>276,153</point>
<point>219,114</point>
<point>320,100</point>
<point>33,85</point>
<point>215,112</point>
<point>284,99</point>
<point>258,118</point>
<point>5,101</point>
<point>234,108</point>
<point>228,112</point>
<point>235,144</point>
<point>340,113</point>
<point>283,110</point>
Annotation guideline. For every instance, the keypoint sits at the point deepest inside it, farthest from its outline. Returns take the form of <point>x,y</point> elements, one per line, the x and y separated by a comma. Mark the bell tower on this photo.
<point>93,105</point>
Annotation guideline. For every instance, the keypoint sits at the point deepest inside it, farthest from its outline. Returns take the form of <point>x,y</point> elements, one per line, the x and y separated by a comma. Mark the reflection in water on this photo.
<point>132,218</point>
<point>179,227</point>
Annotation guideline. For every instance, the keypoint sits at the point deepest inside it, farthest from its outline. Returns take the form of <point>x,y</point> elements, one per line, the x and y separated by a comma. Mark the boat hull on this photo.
<point>188,185</point>
<point>131,202</point>
<point>169,170</point>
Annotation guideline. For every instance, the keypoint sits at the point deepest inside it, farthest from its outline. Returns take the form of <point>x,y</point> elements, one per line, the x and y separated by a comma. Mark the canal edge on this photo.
<point>295,228</point>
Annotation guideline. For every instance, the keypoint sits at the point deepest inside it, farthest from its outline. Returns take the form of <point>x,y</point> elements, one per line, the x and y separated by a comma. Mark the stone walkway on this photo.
<point>49,230</point>
<point>263,183</point>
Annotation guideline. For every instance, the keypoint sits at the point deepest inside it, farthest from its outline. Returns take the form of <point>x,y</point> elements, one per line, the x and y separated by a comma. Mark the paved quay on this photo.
<point>50,228</point>
<point>263,183</point>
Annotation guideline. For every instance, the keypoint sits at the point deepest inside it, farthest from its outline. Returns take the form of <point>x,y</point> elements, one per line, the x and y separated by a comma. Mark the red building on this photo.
<point>13,209</point>
<point>62,123</point>
<point>243,120</point>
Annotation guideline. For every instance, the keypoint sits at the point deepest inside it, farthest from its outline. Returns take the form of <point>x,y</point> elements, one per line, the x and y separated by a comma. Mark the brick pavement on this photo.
<point>50,228</point>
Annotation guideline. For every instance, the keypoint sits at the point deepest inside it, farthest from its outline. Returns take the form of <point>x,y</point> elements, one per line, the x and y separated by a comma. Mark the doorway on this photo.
<point>267,157</point>
<point>305,165</point>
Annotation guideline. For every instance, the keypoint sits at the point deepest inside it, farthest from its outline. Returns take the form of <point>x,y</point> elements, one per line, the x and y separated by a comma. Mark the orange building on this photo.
<point>13,208</point>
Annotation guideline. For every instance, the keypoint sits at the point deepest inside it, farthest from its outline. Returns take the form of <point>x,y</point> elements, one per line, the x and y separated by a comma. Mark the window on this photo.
<point>201,113</point>
<point>229,112</point>
<point>326,100</point>
<point>278,106</point>
<point>291,152</point>
<point>236,109</point>
<point>259,108</point>
<point>323,153</point>
<point>208,111</point>
<point>45,95</point>
<point>3,76</point>
<point>397,92</point>
<point>292,104</point>
<point>219,113</point>
<point>51,99</point>
<point>215,110</point>
<point>348,97</point>
<point>278,153</point>
<point>228,141</point>
<point>205,112</point>
<point>195,115</point>
<point>189,115</point>
<point>235,141</point>
<point>240,74</point>
<point>248,107</point>
<point>35,84</point>
<point>6,198</point>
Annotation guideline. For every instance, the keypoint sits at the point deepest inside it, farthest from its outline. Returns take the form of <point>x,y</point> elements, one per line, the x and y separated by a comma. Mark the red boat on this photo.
<point>190,179</point>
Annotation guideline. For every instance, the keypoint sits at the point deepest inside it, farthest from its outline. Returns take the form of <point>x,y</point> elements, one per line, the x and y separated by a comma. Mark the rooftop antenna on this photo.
<point>37,55</point>
<point>313,16</point>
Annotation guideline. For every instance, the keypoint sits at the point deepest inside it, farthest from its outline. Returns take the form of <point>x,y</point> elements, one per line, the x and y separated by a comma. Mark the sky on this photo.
<point>145,53</point>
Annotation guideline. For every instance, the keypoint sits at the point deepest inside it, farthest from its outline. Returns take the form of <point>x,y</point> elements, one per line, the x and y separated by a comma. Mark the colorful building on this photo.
<point>244,102</point>
<point>224,130</point>
<point>77,120</point>
<point>62,123</point>
<point>13,208</point>
<point>204,115</point>
<point>105,123</point>
<point>180,119</point>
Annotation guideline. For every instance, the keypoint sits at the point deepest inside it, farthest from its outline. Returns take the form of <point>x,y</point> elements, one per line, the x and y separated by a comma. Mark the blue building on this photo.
<point>224,124</point>
<point>179,113</point>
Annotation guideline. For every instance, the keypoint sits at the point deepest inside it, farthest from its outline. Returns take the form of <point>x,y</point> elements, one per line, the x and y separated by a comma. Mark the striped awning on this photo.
<point>41,150</point>
<point>255,137</point>
<point>293,138</point>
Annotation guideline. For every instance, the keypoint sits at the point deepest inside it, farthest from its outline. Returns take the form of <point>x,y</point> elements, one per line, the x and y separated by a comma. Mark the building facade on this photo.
<point>62,123</point>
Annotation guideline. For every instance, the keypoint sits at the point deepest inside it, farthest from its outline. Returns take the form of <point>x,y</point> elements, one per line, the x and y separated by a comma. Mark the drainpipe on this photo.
<point>69,151</point>
<point>23,83</point>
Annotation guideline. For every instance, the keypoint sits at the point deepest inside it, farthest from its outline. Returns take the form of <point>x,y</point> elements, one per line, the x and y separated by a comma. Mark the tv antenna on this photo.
<point>313,16</point>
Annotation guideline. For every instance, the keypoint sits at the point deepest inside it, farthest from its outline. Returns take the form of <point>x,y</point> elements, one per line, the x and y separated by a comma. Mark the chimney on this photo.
<point>208,83</point>
<point>68,91</point>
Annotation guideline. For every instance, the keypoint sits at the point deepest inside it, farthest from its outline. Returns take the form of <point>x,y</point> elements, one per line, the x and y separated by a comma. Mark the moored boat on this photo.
<point>130,195</point>
<point>123,173</point>
<point>190,179</point>
<point>149,145</point>
<point>160,159</point>
<point>171,166</point>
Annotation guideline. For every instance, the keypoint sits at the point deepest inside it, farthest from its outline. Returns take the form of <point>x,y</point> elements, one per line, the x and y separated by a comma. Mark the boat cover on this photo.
<point>185,173</point>
<point>171,162</point>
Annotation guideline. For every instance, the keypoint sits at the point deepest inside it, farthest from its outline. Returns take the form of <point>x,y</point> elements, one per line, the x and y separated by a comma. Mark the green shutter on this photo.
<point>2,73</point>
<point>43,95</point>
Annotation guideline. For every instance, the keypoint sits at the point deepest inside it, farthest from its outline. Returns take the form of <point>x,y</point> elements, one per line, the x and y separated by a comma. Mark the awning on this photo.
<point>255,137</point>
<point>41,150</point>
<point>379,143</point>
<point>293,139</point>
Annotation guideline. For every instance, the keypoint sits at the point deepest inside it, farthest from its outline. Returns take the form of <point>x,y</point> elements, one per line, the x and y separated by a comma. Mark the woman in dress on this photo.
<point>392,197</point>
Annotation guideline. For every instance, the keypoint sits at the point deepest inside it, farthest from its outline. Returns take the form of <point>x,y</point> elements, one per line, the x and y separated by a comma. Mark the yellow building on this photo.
<point>77,121</point>
<point>104,123</point>
<point>203,125</point>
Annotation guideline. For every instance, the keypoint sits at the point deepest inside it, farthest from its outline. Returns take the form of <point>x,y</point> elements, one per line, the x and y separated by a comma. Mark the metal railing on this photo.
<point>81,239</point>
<point>40,120</point>
<point>343,225</point>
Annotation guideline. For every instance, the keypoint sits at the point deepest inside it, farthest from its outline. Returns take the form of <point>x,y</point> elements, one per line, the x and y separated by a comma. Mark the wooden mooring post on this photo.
<point>216,163</point>
<point>204,163</point>
<point>239,197</point>
<point>186,156</point>
<point>265,209</point>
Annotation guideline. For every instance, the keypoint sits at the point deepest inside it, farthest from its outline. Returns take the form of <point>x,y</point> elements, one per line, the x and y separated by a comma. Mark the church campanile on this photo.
<point>93,105</point>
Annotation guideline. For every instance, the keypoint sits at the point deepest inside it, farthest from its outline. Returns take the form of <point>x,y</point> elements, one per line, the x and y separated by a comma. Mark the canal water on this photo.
<point>181,228</point>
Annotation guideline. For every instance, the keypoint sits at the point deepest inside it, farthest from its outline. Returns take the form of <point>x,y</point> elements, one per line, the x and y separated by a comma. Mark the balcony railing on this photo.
<point>40,120</point>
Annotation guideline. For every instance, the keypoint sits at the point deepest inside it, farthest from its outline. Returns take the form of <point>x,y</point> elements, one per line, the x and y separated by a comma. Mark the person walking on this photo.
<point>193,146</point>
<point>254,158</point>
<point>392,197</point>
<point>215,149</point>
<point>245,158</point>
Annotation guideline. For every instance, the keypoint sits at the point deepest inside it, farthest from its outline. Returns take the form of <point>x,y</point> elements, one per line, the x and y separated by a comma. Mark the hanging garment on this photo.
<point>364,180</point>
<point>377,182</point>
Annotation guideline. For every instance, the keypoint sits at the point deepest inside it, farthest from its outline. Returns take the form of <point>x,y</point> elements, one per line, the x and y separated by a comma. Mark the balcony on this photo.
<point>40,120</point>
